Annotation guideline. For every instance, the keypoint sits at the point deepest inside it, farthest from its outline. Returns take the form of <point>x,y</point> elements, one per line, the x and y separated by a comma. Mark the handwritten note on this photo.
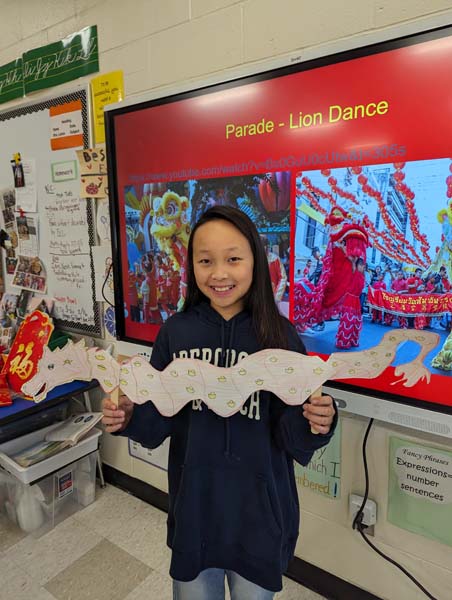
<point>71,270</point>
<point>106,89</point>
<point>68,222</point>
<point>92,161</point>
<point>68,308</point>
<point>93,169</point>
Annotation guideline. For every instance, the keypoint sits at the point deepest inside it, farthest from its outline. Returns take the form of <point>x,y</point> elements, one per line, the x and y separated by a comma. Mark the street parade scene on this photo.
<point>373,250</point>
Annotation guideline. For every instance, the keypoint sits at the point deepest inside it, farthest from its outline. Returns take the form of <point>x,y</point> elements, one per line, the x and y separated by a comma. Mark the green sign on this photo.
<point>323,473</point>
<point>11,81</point>
<point>74,56</point>
<point>420,489</point>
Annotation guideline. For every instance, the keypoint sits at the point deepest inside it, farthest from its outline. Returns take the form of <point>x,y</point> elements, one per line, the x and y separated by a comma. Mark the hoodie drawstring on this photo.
<point>226,359</point>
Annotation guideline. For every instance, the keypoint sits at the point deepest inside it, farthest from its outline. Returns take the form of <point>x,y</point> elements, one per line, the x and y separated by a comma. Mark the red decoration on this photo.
<point>274,191</point>
<point>27,349</point>
<point>5,394</point>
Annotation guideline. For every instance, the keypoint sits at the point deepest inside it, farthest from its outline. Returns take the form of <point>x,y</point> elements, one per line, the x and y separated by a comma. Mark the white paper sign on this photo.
<point>157,457</point>
<point>64,171</point>
<point>424,474</point>
<point>103,220</point>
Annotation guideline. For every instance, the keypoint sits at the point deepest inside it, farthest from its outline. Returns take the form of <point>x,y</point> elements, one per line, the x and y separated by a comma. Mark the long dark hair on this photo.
<point>269,325</point>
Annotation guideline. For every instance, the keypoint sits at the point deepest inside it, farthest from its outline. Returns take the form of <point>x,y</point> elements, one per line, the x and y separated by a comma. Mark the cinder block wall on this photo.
<point>170,42</point>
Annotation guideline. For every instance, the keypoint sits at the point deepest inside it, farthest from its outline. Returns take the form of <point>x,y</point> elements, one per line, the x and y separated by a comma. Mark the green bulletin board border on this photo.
<point>74,56</point>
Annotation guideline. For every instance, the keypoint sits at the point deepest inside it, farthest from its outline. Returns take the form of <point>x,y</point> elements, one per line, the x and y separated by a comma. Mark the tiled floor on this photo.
<point>113,549</point>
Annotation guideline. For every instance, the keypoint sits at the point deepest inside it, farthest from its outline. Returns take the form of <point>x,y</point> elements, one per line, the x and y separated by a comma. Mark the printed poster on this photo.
<point>420,489</point>
<point>66,125</point>
<point>158,457</point>
<point>64,171</point>
<point>323,473</point>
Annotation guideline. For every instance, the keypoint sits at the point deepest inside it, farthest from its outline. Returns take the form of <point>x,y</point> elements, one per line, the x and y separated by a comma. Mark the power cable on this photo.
<point>358,522</point>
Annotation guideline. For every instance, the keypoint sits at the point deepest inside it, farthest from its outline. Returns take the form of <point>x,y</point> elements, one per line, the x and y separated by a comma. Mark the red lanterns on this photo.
<point>274,191</point>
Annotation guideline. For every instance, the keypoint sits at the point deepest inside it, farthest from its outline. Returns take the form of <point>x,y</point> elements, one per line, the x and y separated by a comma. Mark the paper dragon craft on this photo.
<point>293,377</point>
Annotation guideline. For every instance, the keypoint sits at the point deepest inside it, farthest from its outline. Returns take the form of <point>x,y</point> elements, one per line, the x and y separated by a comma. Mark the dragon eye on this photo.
<point>172,209</point>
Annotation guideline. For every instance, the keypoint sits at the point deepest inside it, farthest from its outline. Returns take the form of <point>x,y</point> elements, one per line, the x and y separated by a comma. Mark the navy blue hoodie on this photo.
<point>233,502</point>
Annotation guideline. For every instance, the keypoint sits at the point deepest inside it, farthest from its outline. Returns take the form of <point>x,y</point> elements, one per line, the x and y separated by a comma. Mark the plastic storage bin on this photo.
<point>39,497</point>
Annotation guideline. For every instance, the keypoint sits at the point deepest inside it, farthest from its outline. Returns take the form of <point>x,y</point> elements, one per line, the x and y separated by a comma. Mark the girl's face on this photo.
<point>223,266</point>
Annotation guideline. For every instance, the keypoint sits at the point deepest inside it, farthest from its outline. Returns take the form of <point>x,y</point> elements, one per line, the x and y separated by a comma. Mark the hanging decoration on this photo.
<point>27,349</point>
<point>332,182</point>
<point>410,252</point>
<point>413,218</point>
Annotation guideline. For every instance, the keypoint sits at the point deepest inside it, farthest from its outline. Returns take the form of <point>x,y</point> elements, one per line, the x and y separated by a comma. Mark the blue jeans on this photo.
<point>209,585</point>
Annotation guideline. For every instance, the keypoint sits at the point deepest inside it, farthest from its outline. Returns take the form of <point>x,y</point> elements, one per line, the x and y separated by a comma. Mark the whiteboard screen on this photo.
<point>47,134</point>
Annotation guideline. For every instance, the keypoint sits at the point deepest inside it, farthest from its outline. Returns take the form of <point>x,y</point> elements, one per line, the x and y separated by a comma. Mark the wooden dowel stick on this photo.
<point>316,394</point>
<point>114,396</point>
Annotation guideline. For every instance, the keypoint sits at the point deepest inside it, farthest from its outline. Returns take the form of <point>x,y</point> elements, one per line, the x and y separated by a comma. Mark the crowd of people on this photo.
<point>397,282</point>
<point>154,288</point>
<point>393,280</point>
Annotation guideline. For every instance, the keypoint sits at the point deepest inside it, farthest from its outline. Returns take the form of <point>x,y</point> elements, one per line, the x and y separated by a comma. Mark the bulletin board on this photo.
<point>65,223</point>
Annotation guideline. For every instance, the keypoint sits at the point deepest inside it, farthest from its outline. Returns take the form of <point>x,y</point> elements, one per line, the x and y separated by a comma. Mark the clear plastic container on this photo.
<point>36,508</point>
<point>42,495</point>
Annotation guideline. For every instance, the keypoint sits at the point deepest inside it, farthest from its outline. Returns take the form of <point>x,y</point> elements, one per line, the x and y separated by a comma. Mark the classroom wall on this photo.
<point>161,43</point>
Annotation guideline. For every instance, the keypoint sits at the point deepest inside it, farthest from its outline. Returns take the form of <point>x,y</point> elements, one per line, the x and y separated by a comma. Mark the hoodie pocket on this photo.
<point>225,507</point>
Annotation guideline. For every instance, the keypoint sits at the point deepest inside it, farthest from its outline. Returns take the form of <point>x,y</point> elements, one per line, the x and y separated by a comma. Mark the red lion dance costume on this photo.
<point>340,284</point>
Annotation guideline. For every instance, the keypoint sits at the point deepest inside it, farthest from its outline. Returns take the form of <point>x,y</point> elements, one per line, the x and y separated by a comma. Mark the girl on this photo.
<point>233,502</point>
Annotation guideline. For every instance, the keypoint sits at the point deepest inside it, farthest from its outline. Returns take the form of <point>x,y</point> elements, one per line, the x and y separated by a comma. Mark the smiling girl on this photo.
<point>233,502</point>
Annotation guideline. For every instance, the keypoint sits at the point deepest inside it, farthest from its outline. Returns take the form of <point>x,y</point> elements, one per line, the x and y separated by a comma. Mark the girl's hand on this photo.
<point>116,418</point>
<point>320,413</point>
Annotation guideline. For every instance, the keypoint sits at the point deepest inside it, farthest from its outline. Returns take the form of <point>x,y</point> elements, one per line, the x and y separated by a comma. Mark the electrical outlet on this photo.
<point>369,510</point>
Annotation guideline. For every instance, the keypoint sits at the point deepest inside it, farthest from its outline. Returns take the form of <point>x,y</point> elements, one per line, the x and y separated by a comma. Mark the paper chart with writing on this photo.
<point>69,248</point>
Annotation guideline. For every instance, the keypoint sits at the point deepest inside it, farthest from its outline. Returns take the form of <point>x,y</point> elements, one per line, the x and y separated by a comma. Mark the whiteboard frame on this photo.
<point>24,108</point>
